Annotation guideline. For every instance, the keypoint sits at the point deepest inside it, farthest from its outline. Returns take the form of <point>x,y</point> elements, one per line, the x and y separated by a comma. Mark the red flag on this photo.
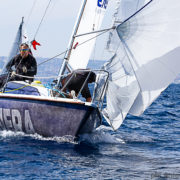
<point>34,44</point>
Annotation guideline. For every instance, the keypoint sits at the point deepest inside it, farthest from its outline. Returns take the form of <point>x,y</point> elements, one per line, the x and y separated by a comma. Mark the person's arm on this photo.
<point>33,69</point>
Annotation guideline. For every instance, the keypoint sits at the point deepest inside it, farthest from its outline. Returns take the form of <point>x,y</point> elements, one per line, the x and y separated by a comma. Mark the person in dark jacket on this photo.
<point>22,64</point>
<point>75,81</point>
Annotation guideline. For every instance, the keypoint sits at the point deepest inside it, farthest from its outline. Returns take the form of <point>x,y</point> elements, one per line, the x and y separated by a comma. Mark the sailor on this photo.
<point>77,79</point>
<point>24,64</point>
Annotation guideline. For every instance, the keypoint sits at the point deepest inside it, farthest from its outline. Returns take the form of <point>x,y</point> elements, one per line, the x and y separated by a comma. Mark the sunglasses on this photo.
<point>24,50</point>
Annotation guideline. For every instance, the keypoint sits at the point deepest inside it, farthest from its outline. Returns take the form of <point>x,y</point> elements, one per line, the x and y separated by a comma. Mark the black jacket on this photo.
<point>29,62</point>
<point>76,82</point>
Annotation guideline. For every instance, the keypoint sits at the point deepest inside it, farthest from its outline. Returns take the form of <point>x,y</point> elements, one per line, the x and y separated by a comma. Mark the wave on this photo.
<point>10,134</point>
<point>101,135</point>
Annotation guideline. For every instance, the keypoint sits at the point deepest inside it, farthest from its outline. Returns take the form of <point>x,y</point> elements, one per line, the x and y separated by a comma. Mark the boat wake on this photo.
<point>10,134</point>
<point>101,135</point>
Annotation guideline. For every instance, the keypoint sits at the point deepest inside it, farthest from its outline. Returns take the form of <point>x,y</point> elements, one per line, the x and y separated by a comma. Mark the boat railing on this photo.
<point>97,88</point>
<point>102,77</point>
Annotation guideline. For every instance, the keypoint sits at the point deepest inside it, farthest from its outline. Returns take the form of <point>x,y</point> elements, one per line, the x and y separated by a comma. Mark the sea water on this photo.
<point>145,147</point>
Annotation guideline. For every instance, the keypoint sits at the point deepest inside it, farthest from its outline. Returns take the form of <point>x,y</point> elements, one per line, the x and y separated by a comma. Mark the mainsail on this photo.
<point>21,37</point>
<point>147,49</point>
<point>91,19</point>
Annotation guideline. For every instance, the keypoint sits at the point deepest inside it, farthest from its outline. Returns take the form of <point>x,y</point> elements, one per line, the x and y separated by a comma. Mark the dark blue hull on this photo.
<point>47,117</point>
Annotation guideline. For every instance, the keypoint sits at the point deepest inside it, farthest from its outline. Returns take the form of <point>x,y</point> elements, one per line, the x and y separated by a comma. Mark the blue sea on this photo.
<point>145,147</point>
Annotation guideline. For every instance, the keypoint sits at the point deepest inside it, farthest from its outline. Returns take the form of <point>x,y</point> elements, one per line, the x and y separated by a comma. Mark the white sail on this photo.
<point>124,9</point>
<point>128,8</point>
<point>151,41</point>
<point>91,20</point>
<point>122,88</point>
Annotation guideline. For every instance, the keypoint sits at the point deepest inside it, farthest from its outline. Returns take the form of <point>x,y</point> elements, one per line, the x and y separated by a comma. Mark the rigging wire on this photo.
<point>31,12</point>
<point>105,31</point>
<point>42,18</point>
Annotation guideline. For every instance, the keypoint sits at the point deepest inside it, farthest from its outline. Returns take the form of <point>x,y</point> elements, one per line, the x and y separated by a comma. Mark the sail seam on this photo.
<point>125,46</point>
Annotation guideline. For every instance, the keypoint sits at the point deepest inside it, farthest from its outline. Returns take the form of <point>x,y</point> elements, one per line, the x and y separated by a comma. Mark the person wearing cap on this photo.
<point>24,64</point>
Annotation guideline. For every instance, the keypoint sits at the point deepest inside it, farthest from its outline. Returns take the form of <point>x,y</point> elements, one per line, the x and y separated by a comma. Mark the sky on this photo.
<point>55,30</point>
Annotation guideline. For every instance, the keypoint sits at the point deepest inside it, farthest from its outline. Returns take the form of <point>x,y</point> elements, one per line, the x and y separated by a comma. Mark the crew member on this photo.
<point>76,80</point>
<point>23,64</point>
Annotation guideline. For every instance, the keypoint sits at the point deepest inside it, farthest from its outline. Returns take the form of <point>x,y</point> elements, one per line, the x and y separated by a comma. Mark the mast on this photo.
<point>68,53</point>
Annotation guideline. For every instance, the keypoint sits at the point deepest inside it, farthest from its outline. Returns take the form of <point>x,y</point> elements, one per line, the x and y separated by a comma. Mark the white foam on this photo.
<point>68,139</point>
<point>5,134</point>
<point>101,135</point>
<point>9,134</point>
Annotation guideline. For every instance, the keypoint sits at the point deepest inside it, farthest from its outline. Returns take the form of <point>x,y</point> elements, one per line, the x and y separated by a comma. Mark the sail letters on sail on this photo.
<point>90,21</point>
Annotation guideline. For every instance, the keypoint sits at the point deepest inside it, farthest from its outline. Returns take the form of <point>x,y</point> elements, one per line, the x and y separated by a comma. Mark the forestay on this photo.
<point>91,20</point>
<point>150,43</point>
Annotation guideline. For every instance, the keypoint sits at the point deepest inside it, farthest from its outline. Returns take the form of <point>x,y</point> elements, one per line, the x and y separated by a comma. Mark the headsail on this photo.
<point>151,42</point>
<point>124,9</point>
<point>122,88</point>
<point>91,20</point>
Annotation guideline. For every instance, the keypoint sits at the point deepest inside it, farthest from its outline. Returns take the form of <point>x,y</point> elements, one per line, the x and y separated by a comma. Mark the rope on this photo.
<point>15,89</point>
<point>48,77</point>
<point>48,86</point>
<point>20,88</point>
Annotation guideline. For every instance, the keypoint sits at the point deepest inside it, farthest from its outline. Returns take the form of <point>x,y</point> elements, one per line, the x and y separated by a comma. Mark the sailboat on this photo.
<point>145,47</point>
<point>32,108</point>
